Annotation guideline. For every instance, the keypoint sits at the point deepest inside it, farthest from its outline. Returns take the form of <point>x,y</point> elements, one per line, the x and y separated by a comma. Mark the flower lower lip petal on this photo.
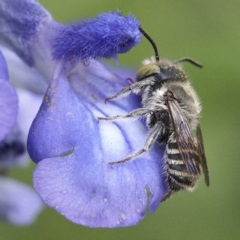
<point>95,195</point>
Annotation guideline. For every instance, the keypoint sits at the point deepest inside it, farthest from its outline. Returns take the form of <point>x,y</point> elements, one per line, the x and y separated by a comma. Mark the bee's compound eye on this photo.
<point>147,71</point>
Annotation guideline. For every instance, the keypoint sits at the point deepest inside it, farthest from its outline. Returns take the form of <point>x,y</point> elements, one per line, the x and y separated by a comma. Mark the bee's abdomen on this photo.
<point>179,177</point>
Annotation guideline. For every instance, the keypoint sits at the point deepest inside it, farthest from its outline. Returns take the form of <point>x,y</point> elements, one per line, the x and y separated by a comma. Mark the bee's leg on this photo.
<point>140,112</point>
<point>151,139</point>
<point>135,88</point>
<point>130,80</point>
<point>168,195</point>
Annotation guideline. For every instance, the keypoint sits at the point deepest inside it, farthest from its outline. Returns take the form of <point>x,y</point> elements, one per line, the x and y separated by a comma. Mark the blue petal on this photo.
<point>19,204</point>
<point>59,123</point>
<point>93,194</point>
<point>73,150</point>
<point>8,101</point>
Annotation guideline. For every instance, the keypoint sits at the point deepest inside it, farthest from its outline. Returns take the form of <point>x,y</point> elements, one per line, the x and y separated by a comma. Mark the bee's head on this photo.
<point>162,70</point>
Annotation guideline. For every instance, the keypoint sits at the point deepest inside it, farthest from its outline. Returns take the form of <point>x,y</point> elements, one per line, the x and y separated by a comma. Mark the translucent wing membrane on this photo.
<point>201,152</point>
<point>185,141</point>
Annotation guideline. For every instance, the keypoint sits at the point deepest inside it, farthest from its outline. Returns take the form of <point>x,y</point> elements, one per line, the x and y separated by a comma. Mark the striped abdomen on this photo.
<point>183,168</point>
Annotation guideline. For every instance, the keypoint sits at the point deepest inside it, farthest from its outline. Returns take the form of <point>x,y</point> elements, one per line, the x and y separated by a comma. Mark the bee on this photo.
<point>172,109</point>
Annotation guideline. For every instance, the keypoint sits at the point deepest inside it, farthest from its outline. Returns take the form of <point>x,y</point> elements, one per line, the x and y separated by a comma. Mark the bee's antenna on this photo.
<point>185,59</point>
<point>152,42</point>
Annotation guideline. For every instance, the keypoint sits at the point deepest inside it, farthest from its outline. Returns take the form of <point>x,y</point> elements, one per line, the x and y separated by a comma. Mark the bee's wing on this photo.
<point>186,144</point>
<point>201,152</point>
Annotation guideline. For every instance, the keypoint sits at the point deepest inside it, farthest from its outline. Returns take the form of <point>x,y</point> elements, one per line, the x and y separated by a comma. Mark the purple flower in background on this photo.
<point>19,204</point>
<point>71,148</point>
<point>8,101</point>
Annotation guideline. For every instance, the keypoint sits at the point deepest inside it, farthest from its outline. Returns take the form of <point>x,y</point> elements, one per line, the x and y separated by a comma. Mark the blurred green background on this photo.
<point>208,32</point>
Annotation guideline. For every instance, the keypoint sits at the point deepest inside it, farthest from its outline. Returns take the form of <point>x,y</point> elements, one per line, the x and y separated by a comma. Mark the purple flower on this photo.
<point>8,101</point>
<point>19,204</point>
<point>13,147</point>
<point>71,148</point>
